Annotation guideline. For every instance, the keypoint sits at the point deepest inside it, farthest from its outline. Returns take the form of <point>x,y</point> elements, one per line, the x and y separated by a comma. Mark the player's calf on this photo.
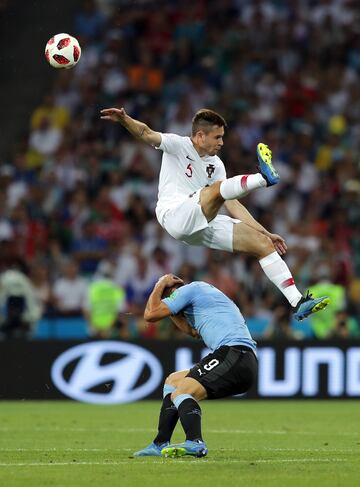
<point>189,413</point>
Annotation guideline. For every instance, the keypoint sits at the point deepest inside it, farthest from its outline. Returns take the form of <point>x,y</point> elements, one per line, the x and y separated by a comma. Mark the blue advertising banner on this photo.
<point>115,372</point>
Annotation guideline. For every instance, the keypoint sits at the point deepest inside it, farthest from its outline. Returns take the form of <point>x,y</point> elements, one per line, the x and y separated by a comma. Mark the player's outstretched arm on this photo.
<point>138,129</point>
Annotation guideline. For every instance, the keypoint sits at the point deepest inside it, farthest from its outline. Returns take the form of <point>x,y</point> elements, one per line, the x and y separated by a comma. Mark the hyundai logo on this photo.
<point>133,372</point>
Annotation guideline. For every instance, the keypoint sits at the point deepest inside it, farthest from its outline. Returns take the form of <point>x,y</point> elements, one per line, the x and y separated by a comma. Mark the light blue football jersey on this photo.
<point>212,314</point>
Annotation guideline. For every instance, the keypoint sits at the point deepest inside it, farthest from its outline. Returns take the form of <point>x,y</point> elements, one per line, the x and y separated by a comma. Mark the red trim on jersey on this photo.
<point>243,183</point>
<point>288,282</point>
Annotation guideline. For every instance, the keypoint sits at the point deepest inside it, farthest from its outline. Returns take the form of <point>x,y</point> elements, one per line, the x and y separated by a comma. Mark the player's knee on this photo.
<point>211,194</point>
<point>264,246</point>
<point>216,187</point>
<point>174,379</point>
<point>171,379</point>
<point>212,191</point>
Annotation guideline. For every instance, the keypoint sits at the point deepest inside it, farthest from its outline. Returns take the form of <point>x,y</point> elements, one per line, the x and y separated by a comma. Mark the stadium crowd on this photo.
<point>78,195</point>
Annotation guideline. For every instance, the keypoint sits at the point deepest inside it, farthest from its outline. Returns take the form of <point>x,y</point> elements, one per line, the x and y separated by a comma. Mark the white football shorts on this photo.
<point>186,222</point>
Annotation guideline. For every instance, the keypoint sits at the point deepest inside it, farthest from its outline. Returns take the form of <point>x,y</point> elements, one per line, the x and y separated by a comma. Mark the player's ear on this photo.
<point>200,135</point>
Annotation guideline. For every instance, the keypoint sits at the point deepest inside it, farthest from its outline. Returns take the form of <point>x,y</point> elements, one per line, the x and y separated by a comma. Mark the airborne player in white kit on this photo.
<point>193,187</point>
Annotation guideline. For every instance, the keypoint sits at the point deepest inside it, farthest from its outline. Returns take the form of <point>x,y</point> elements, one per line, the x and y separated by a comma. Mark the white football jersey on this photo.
<point>183,172</point>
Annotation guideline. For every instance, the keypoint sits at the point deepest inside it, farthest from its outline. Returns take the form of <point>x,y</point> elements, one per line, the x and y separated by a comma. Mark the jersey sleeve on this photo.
<point>170,143</point>
<point>179,299</point>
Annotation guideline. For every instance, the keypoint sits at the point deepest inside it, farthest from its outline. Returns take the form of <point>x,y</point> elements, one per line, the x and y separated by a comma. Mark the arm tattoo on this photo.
<point>141,133</point>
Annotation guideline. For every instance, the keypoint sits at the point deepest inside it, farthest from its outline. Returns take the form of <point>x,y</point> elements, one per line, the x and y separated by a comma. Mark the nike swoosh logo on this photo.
<point>187,157</point>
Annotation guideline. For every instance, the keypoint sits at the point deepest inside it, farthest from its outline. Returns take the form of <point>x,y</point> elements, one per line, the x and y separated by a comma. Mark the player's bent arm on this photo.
<point>138,129</point>
<point>156,313</point>
<point>162,311</point>
<point>155,309</point>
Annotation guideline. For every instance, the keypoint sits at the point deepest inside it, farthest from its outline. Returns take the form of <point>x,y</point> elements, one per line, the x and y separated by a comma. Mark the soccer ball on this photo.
<point>62,51</point>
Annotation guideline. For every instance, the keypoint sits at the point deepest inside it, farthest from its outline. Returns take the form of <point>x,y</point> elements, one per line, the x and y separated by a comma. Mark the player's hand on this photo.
<point>279,243</point>
<point>169,280</point>
<point>113,114</point>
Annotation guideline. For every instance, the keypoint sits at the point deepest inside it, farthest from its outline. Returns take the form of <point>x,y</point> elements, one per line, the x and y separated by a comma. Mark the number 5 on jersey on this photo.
<point>189,171</point>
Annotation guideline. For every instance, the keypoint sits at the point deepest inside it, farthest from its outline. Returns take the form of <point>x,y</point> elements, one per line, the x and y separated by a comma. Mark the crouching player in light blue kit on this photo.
<point>200,310</point>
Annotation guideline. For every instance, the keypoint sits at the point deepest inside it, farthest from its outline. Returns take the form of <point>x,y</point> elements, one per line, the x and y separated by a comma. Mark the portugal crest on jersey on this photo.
<point>210,169</point>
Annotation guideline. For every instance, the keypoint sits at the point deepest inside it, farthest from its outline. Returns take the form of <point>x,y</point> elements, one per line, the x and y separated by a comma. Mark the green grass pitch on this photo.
<point>265,443</point>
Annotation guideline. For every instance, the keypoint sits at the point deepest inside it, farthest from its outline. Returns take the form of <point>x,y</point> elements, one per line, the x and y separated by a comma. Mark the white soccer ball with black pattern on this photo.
<point>62,51</point>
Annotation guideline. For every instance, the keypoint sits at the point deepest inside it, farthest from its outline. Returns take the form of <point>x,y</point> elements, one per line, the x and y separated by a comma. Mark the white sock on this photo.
<point>278,273</point>
<point>239,186</point>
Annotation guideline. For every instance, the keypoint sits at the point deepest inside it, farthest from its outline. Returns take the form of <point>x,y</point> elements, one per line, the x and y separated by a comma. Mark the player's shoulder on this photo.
<point>199,285</point>
<point>173,143</point>
<point>218,161</point>
<point>190,287</point>
<point>182,139</point>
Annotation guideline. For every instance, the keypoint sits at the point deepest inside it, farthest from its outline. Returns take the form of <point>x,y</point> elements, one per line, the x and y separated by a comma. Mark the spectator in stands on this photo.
<point>344,326</point>
<point>57,116</point>
<point>138,289</point>
<point>6,228</point>
<point>30,233</point>
<point>180,120</point>
<point>279,327</point>
<point>78,211</point>
<point>89,22</point>
<point>140,284</point>
<point>220,278</point>
<point>354,300</point>
<point>69,291</point>
<point>39,276</point>
<point>22,178</point>
<point>187,273</point>
<point>323,326</point>
<point>145,76</point>
<point>20,309</point>
<point>89,249</point>
<point>104,301</point>
<point>45,139</point>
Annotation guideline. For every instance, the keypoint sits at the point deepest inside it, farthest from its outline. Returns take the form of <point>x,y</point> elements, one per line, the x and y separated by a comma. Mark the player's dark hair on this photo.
<point>169,290</point>
<point>205,119</point>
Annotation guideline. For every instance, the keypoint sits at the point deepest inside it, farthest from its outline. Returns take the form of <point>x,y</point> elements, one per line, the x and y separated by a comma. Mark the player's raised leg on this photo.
<point>167,420</point>
<point>239,186</point>
<point>213,197</point>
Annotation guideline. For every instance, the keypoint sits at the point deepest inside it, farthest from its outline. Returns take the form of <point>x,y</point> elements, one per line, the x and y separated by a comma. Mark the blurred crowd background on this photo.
<point>78,234</point>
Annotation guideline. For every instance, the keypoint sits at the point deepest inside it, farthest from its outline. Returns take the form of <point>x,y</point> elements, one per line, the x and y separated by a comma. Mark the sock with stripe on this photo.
<point>278,273</point>
<point>239,186</point>
<point>168,417</point>
<point>190,416</point>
